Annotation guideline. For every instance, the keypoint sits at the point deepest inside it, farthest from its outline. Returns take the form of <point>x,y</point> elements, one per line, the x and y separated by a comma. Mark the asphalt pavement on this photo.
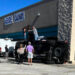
<point>8,67</point>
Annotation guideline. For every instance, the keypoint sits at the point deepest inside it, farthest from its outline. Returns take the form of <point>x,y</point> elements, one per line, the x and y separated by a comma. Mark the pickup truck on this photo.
<point>9,43</point>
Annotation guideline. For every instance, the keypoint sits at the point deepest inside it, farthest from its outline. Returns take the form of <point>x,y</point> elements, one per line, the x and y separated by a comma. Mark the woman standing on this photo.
<point>35,33</point>
<point>20,52</point>
<point>30,51</point>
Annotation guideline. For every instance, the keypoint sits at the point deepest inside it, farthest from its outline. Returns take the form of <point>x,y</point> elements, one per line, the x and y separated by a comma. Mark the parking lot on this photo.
<point>8,67</point>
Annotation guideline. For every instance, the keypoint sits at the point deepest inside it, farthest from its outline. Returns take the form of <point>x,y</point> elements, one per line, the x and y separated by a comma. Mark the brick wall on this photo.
<point>64,19</point>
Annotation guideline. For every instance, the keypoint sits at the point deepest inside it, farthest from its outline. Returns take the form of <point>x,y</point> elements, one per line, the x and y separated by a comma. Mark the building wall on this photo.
<point>64,20</point>
<point>72,46</point>
<point>47,32</point>
<point>66,25</point>
<point>48,17</point>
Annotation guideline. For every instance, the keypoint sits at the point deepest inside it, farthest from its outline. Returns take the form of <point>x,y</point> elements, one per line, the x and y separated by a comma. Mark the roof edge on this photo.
<point>43,1</point>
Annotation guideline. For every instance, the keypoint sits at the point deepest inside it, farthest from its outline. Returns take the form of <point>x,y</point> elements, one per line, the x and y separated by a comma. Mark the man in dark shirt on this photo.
<point>30,33</point>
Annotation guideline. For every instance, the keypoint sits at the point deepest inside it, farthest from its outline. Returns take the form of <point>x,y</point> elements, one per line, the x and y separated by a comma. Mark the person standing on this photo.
<point>6,52</point>
<point>24,30</point>
<point>35,33</point>
<point>20,52</point>
<point>30,34</point>
<point>0,51</point>
<point>66,53</point>
<point>30,51</point>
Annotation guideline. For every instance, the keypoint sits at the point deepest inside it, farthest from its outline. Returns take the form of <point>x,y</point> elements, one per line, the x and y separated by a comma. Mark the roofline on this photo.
<point>44,1</point>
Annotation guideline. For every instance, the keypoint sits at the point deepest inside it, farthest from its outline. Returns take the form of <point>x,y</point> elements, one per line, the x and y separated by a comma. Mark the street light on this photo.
<point>35,19</point>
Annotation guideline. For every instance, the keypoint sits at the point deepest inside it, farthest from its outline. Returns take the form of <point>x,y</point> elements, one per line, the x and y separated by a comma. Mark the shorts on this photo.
<point>30,55</point>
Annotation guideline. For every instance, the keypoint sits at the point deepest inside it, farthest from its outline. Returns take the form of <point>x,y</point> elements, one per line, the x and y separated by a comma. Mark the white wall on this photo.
<point>72,47</point>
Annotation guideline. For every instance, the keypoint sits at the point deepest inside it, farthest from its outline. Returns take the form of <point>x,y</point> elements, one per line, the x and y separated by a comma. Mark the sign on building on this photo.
<point>8,20</point>
<point>19,16</point>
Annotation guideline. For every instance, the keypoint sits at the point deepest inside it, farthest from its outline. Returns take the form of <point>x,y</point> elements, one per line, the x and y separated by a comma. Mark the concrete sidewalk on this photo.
<point>11,68</point>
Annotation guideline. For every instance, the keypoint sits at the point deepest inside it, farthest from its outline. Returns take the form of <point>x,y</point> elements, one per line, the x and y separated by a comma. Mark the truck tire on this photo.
<point>58,53</point>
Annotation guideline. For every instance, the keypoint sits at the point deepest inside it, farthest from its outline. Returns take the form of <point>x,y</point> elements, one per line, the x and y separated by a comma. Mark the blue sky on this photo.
<point>8,6</point>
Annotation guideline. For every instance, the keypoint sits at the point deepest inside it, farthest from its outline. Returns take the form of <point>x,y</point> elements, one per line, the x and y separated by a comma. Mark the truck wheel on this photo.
<point>58,52</point>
